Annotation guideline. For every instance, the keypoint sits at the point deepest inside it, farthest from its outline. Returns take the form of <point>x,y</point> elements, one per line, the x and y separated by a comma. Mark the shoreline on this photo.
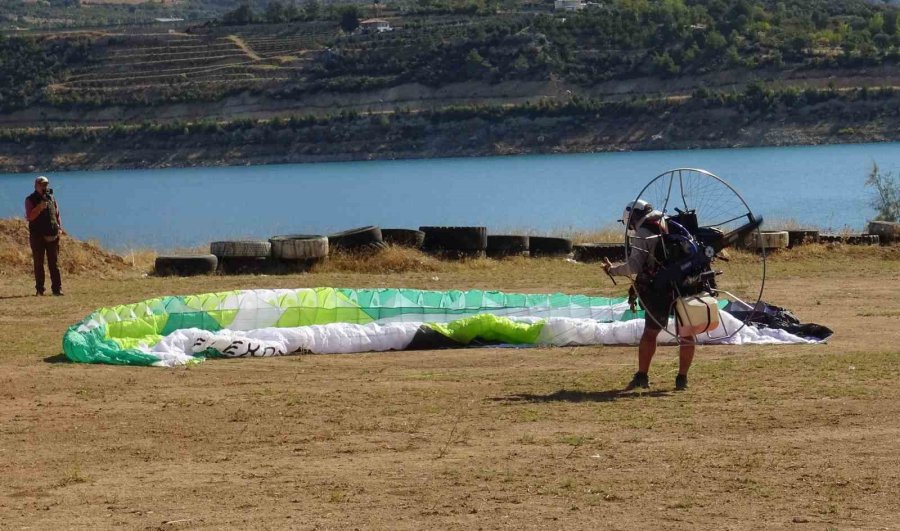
<point>388,156</point>
<point>473,131</point>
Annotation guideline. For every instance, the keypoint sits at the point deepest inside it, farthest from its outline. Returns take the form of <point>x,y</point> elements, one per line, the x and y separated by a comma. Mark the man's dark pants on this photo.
<point>39,248</point>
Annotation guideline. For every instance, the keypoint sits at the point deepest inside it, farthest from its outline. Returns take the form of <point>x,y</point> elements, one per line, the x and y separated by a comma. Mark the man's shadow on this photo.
<point>5,297</point>
<point>58,358</point>
<point>565,395</point>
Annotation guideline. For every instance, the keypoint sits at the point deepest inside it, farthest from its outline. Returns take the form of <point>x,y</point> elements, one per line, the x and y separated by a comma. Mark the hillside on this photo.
<point>75,256</point>
<point>580,126</point>
<point>688,72</point>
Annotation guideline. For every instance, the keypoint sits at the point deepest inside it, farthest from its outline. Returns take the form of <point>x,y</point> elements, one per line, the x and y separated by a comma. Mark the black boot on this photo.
<point>681,382</point>
<point>640,380</point>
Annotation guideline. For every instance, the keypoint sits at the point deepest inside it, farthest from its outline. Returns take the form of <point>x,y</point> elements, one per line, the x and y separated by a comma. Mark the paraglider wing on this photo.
<point>178,330</point>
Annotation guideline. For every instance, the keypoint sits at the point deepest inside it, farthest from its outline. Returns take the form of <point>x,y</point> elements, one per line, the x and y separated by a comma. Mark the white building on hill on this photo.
<point>568,5</point>
<point>375,24</point>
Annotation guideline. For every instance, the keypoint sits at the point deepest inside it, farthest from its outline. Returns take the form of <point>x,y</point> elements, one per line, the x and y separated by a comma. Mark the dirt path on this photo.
<point>239,42</point>
<point>800,437</point>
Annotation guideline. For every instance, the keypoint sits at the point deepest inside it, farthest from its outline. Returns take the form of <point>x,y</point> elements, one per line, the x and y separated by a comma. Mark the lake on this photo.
<point>822,186</point>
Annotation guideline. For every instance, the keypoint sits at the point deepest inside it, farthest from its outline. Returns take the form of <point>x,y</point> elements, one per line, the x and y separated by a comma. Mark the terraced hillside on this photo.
<point>791,72</point>
<point>141,68</point>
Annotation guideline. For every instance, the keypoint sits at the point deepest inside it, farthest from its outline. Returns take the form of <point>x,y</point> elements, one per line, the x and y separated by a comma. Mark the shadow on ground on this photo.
<point>58,358</point>
<point>564,395</point>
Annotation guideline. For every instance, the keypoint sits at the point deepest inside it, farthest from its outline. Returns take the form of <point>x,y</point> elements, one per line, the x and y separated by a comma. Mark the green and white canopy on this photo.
<point>176,330</point>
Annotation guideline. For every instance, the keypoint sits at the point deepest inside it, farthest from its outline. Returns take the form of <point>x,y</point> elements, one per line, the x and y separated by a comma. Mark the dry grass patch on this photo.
<point>854,260</point>
<point>786,224</point>
<point>392,259</point>
<point>612,233</point>
<point>75,256</point>
<point>143,260</point>
<point>398,259</point>
<point>72,475</point>
<point>606,234</point>
<point>767,436</point>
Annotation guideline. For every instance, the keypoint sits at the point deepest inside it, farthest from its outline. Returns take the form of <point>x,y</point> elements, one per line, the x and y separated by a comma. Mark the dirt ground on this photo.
<point>786,437</point>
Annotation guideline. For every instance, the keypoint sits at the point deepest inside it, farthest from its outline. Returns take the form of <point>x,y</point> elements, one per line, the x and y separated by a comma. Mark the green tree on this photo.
<point>521,64</point>
<point>239,16</point>
<point>876,23</point>
<point>820,19</point>
<point>794,48</point>
<point>476,65</point>
<point>276,12</point>
<point>291,12</point>
<point>757,96</point>
<point>350,18</point>
<point>732,57</point>
<point>715,41</point>
<point>664,64</point>
<point>887,198</point>
<point>890,21</point>
<point>311,9</point>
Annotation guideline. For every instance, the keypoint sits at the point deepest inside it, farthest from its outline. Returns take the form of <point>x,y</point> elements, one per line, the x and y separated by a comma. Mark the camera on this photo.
<point>49,191</point>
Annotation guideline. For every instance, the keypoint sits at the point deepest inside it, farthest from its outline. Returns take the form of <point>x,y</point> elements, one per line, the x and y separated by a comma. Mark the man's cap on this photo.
<point>42,179</point>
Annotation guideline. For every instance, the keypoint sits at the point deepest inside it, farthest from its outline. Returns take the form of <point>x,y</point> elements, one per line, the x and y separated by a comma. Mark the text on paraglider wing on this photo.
<point>238,348</point>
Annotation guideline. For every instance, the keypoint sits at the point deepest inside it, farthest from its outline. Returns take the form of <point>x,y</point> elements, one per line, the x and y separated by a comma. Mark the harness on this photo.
<point>682,260</point>
<point>676,259</point>
<point>644,279</point>
<point>659,255</point>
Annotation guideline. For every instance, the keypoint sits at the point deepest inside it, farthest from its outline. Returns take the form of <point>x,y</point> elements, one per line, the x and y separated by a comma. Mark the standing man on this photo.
<point>44,230</point>
<point>649,225</point>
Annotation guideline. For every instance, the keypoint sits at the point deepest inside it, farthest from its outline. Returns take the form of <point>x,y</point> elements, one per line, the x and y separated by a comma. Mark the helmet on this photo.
<point>635,212</point>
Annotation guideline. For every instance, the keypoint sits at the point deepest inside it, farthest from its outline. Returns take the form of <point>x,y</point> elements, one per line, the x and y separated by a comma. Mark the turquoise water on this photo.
<point>817,185</point>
